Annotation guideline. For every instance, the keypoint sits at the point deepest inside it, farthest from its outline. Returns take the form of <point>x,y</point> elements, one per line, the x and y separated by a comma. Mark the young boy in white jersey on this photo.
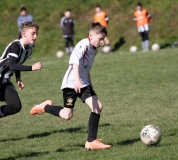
<point>11,61</point>
<point>77,83</point>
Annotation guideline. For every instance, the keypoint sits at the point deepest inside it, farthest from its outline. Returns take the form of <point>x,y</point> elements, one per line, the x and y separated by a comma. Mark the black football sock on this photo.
<point>54,110</point>
<point>93,126</point>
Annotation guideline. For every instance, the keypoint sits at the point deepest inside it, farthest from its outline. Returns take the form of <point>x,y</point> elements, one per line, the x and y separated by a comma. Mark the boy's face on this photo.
<point>138,8</point>
<point>23,13</point>
<point>98,9</point>
<point>96,40</point>
<point>29,35</point>
<point>67,14</point>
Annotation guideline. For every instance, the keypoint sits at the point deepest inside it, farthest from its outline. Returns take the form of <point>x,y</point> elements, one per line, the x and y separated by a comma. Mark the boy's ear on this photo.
<point>23,32</point>
<point>90,35</point>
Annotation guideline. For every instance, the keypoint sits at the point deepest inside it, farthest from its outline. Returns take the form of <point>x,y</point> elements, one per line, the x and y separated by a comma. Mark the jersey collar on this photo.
<point>22,44</point>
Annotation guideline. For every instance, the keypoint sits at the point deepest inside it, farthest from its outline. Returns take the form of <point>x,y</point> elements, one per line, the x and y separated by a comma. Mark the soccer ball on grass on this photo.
<point>155,47</point>
<point>133,49</point>
<point>59,54</point>
<point>106,49</point>
<point>150,135</point>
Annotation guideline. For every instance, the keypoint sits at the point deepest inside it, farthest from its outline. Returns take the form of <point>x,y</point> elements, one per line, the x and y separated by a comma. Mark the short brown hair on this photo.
<point>29,25</point>
<point>98,28</point>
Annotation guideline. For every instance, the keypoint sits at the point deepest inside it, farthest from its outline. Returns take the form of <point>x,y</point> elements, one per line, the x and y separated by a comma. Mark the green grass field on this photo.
<point>136,89</point>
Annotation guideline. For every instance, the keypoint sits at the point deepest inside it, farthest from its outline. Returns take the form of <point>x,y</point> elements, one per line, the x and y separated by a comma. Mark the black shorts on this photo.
<point>70,95</point>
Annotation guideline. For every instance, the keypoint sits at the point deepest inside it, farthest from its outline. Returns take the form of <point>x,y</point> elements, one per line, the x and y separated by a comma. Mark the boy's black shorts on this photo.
<point>70,95</point>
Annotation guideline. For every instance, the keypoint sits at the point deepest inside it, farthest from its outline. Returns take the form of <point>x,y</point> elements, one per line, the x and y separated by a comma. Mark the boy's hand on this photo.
<point>20,84</point>
<point>78,86</point>
<point>37,66</point>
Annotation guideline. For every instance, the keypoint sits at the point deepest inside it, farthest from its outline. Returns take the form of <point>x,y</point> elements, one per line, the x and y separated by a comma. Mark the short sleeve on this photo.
<point>78,53</point>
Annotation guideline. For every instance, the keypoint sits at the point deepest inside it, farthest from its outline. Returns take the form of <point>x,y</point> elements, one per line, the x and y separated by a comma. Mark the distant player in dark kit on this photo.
<point>77,83</point>
<point>23,17</point>
<point>15,54</point>
<point>67,25</point>
<point>142,18</point>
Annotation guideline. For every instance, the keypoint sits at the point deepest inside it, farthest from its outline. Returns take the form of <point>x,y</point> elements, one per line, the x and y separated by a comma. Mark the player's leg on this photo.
<point>96,108</point>
<point>146,40</point>
<point>90,98</point>
<point>13,101</point>
<point>107,42</point>
<point>71,41</point>
<point>67,45</point>
<point>65,112</point>
<point>143,39</point>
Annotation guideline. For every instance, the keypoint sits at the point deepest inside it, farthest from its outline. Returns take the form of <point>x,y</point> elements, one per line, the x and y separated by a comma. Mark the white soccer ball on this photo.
<point>59,54</point>
<point>133,49</point>
<point>155,47</point>
<point>106,49</point>
<point>150,135</point>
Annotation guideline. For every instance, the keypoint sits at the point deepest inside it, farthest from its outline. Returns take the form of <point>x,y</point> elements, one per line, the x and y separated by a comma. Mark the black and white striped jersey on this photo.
<point>12,59</point>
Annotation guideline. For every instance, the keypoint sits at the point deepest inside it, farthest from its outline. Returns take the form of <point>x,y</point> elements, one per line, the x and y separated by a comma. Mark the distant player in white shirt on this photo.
<point>77,83</point>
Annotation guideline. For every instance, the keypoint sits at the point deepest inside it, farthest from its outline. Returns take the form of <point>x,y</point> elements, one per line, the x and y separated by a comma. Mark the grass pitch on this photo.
<point>136,90</point>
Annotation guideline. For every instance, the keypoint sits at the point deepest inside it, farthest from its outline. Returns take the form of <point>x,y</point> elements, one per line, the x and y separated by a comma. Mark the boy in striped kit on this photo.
<point>11,61</point>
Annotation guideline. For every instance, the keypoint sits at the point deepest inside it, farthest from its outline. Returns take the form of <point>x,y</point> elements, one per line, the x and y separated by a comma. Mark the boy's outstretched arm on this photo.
<point>14,66</point>
<point>77,82</point>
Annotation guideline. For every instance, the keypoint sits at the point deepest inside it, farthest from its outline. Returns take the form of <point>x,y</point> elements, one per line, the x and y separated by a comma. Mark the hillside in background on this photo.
<point>122,29</point>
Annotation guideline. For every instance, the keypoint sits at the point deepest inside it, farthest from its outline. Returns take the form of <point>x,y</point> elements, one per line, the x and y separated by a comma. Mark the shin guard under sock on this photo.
<point>93,126</point>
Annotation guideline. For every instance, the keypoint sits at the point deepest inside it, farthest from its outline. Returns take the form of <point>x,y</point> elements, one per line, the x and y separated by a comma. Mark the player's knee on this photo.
<point>67,117</point>
<point>16,108</point>
<point>100,107</point>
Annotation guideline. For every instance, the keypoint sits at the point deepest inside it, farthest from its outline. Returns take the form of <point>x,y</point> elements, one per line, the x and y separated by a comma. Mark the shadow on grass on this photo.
<point>166,45</point>
<point>29,155</point>
<point>67,130</point>
<point>128,142</point>
<point>71,148</point>
<point>11,139</point>
<point>172,134</point>
<point>118,44</point>
<point>45,134</point>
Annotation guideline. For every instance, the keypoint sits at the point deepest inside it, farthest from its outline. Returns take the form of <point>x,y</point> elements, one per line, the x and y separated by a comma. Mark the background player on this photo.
<point>23,17</point>
<point>101,17</point>
<point>77,83</point>
<point>15,54</point>
<point>67,25</point>
<point>142,18</point>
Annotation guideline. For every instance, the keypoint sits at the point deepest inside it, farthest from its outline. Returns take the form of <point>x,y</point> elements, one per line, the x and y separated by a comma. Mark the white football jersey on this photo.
<point>83,55</point>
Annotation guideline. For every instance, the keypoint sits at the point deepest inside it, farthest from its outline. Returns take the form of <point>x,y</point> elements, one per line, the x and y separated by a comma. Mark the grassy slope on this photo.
<point>135,89</point>
<point>48,13</point>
